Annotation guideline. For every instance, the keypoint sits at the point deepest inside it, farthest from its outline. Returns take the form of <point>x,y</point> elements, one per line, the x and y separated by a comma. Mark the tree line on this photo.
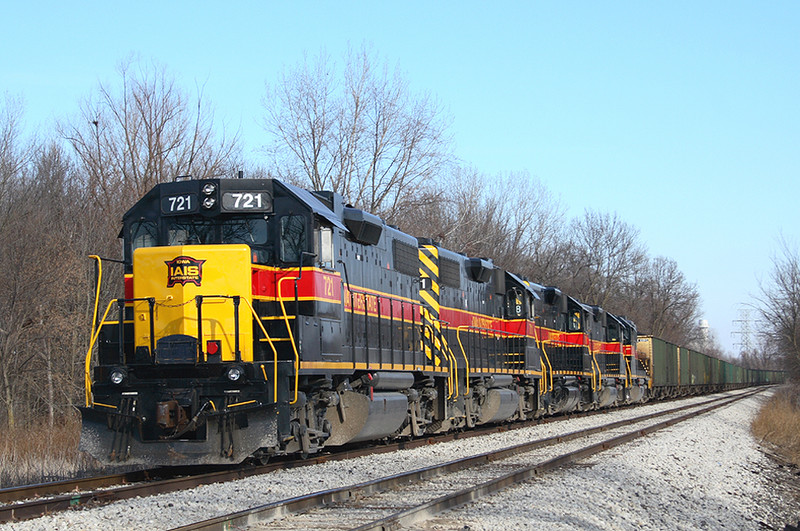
<point>355,127</point>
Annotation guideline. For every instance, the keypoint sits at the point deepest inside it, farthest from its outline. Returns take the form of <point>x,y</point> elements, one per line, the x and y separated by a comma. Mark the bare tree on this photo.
<point>779,304</point>
<point>763,355</point>
<point>510,218</point>
<point>364,135</point>
<point>43,317</point>
<point>12,163</point>
<point>467,218</point>
<point>13,155</point>
<point>144,132</point>
<point>661,302</point>
<point>603,255</point>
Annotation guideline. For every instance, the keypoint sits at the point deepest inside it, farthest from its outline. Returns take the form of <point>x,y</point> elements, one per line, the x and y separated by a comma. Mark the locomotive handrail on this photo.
<point>88,362</point>
<point>96,333</point>
<point>451,358</point>
<point>463,353</point>
<point>628,365</point>
<point>595,384</point>
<point>236,330</point>
<point>540,344</point>
<point>97,290</point>
<point>274,352</point>
<point>549,369</point>
<point>291,336</point>
<point>480,329</point>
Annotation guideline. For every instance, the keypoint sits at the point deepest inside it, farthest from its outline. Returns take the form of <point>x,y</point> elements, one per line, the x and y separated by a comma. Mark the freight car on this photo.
<point>259,318</point>
<point>679,371</point>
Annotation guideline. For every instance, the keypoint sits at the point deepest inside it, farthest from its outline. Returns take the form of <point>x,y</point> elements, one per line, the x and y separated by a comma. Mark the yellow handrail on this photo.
<point>453,369</point>
<point>96,334</point>
<point>540,344</point>
<point>274,353</point>
<point>88,362</point>
<point>454,366</point>
<point>463,353</point>
<point>97,292</point>
<point>628,366</point>
<point>549,368</point>
<point>595,384</point>
<point>480,330</point>
<point>451,365</point>
<point>291,338</point>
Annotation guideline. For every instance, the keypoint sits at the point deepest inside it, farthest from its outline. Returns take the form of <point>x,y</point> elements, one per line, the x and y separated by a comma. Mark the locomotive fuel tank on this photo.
<point>565,396</point>
<point>637,392</point>
<point>607,394</point>
<point>500,404</point>
<point>360,417</point>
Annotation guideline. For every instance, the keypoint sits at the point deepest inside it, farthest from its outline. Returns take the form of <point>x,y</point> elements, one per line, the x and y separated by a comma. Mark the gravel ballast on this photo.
<point>706,473</point>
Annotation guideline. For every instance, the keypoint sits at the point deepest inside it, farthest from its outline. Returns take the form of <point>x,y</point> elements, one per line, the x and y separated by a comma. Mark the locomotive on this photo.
<point>259,319</point>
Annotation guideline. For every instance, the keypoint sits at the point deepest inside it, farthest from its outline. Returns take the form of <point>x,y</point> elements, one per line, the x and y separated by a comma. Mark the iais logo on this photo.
<point>183,270</point>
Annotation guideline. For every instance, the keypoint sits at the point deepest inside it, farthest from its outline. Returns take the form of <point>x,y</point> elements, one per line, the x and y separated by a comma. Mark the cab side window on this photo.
<point>514,304</point>
<point>575,322</point>
<point>293,238</point>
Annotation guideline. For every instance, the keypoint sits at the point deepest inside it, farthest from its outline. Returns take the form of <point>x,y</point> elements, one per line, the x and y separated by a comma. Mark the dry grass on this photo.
<point>778,424</point>
<point>38,454</point>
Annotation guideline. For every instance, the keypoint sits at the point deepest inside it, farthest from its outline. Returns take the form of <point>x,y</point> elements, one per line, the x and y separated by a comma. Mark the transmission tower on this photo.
<point>744,330</point>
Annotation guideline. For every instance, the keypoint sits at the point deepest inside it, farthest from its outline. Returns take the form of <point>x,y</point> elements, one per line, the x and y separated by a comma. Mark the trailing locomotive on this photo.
<point>259,319</point>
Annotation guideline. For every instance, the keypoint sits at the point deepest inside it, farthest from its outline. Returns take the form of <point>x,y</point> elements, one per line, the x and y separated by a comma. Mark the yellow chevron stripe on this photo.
<point>432,249</point>
<point>433,268</point>
<point>434,283</point>
<point>434,286</point>
<point>430,300</point>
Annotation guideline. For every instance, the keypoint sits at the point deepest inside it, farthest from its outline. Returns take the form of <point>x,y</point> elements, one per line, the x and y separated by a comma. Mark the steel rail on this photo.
<point>343,495</point>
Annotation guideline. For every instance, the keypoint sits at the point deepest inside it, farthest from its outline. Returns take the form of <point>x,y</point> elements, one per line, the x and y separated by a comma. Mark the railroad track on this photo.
<point>30,501</point>
<point>27,502</point>
<point>405,499</point>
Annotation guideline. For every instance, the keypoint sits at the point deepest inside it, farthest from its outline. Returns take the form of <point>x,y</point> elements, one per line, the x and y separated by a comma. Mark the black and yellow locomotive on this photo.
<point>259,318</point>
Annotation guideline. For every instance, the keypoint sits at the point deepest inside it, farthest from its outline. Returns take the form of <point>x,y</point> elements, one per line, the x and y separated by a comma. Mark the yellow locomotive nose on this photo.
<point>193,285</point>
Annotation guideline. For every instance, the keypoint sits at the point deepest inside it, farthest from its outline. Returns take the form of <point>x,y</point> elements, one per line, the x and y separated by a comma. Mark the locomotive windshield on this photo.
<point>250,231</point>
<point>144,234</point>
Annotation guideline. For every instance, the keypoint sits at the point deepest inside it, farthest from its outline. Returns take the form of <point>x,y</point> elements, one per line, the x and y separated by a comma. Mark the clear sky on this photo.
<point>680,116</point>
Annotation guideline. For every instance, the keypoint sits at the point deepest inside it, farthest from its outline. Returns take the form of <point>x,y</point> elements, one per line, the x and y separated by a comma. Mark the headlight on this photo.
<point>117,376</point>
<point>234,373</point>
<point>209,188</point>
<point>209,202</point>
